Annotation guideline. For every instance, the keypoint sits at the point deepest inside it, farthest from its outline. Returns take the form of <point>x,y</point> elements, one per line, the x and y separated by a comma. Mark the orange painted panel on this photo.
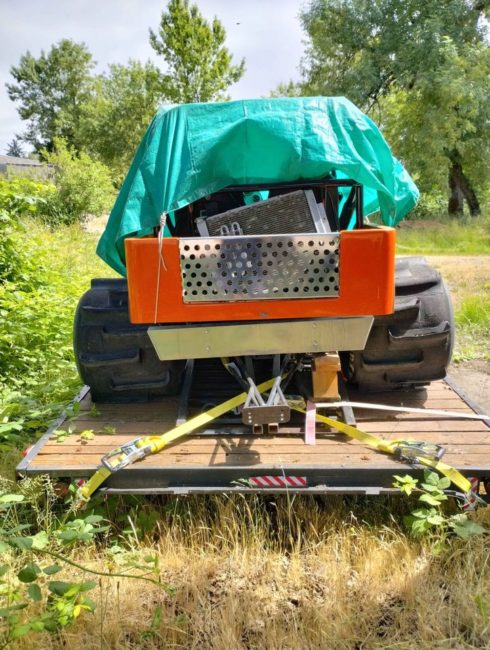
<point>366,269</point>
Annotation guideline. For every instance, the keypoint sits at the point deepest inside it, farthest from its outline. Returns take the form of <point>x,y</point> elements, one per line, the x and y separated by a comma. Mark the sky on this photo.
<point>266,33</point>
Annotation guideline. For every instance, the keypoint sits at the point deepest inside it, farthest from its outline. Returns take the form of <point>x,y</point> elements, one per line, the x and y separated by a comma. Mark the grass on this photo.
<point>251,572</point>
<point>475,312</point>
<point>473,327</point>
<point>468,280</point>
<point>445,237</point>
<point>246,572</point>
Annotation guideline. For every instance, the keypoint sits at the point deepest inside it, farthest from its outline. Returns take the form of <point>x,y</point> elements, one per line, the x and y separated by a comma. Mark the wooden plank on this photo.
<point>210,446</point>
<point>104,443</point>
<point>169,408</point>
<point>124,416</point>
<point>218,459</point>
<point>340,451</point>
<point>128,430</point>
<point>423,424</point>
<point>408,399</point>
<point>221,458</point>
<point>437,393</point>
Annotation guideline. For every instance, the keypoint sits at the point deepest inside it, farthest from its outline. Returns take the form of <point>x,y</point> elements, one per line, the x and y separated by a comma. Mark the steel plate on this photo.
<point>259,267</point>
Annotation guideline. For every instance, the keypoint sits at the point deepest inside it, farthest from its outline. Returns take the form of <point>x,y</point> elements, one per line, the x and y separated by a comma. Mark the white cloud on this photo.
<point>266,32</point>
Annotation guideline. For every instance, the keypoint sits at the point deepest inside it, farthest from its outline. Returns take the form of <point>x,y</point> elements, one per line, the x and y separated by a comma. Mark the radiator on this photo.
<point>292,213</point>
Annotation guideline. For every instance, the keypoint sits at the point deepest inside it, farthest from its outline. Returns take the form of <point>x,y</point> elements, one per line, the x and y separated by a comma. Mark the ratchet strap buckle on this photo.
<point>411,450</point>
<point>126,454</point>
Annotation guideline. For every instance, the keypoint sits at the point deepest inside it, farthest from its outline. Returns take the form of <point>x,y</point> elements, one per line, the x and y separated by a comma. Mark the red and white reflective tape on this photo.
<point>472,496</point>
<point>278,481</point>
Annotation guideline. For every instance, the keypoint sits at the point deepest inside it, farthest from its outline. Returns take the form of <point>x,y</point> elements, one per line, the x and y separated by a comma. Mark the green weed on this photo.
<point>429,517</point>
<point>34,546</point>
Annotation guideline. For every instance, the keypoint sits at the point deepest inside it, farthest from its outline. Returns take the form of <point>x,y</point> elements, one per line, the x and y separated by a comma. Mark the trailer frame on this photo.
<point>361,471</point>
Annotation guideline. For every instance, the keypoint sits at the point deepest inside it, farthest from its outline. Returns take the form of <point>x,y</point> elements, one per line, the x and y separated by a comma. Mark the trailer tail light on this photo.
<point>26,451</point>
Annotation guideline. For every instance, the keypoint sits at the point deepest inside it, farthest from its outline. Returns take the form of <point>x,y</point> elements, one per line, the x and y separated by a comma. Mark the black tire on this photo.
<point>413,346</point>
<point>115,358</point>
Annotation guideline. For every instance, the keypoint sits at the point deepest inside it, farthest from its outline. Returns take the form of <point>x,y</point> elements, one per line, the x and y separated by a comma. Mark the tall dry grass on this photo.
<point>291,574</point>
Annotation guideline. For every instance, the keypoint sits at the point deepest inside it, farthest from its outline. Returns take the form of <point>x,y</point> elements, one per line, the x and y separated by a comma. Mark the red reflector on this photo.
<point>81,482</point>
<point>472,496</point>
<point>278,481</point>
<point>26,451</point>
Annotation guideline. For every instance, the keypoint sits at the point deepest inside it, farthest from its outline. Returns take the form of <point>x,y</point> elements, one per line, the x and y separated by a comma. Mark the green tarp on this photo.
<point>193,150</point>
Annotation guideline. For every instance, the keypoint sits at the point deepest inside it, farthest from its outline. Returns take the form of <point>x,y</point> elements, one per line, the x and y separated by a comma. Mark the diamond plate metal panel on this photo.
<point>259,268</point>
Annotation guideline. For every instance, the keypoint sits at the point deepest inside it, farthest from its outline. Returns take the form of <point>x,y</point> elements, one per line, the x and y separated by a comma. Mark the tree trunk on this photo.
<point>470,196</point>
<point>460,190</point>
<point>456,198</point>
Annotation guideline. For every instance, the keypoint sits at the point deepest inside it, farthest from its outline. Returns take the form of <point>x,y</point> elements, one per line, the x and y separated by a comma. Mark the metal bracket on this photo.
<point>185,392</point>
<point>347,411</point>
<point>257,413</point>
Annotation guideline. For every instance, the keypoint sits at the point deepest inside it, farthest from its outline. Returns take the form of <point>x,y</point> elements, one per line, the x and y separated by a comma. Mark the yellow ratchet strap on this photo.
<point>154,444</point>
<point>390,446</point>
<point>142,447</point>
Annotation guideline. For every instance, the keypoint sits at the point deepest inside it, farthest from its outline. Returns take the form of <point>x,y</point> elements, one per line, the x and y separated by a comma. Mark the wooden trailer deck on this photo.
<point>224,458</point>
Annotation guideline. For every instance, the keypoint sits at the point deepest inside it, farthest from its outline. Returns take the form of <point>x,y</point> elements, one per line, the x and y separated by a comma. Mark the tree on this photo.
<point>198,65</point>
<point>124,101</point>
<point>424,65</point>
<point>51,92</point>
<point>442,126</point>
<point>14,147</point>
<point>84,186</point>
<point>289,89</point>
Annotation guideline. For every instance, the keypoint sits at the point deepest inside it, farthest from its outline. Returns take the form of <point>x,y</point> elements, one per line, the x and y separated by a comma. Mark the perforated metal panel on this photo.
<point>259,268</point>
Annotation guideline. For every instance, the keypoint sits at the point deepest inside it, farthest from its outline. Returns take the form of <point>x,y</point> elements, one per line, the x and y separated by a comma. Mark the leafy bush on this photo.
<point>16,266</point>
<point>20,196</point>
<point>38,297</point>
<point>429,517</point>
<point>30,600</point>
<point>9,254</point>
<point>431,205</point>
<point>84,186</point>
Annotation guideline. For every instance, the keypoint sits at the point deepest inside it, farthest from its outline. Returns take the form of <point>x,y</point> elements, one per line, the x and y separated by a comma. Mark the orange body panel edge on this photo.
<point>366,285</point>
